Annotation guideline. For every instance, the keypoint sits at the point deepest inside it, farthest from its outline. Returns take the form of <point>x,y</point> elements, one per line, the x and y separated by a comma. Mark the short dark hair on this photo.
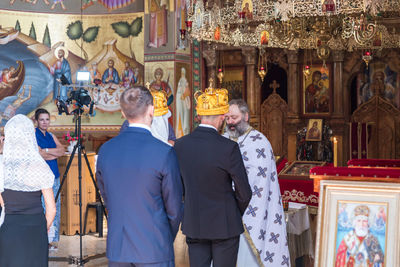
<point>242,105</point>
<point>134,101</point>
<point>41,111</point>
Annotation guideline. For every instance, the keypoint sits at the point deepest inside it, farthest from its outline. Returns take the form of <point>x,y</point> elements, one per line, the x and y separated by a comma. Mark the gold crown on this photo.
<point>361,210</point>
<point>212,101</point>
<point>159,101</point>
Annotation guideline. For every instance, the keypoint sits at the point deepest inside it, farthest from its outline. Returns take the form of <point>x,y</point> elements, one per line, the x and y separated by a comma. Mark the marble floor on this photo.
<point>69,246</point>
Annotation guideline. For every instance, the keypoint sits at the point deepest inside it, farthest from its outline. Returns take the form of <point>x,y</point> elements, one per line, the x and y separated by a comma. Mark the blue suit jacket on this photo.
<point>139,179</point>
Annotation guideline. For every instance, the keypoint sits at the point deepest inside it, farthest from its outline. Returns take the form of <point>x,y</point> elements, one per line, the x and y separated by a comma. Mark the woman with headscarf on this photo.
<point>50,149</point>
<point>24,178</point>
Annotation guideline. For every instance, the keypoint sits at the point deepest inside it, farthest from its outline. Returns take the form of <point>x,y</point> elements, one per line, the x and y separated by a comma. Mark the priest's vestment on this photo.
<point>264,242</point>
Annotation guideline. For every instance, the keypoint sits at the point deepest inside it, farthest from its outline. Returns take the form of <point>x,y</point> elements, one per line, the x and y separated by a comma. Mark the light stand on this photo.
<point>71,259</point>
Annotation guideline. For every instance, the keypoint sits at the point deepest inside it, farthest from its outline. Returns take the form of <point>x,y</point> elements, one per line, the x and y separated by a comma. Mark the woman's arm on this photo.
<point>53,153</point>
<point>50,205</point>
<point>1,201</point>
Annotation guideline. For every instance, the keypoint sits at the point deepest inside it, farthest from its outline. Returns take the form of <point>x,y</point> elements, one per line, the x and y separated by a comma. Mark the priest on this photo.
<point>264,242</point>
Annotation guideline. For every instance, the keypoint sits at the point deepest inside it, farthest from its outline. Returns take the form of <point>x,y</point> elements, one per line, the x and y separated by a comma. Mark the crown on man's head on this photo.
<point>212,101</point>
<point>361,210</point>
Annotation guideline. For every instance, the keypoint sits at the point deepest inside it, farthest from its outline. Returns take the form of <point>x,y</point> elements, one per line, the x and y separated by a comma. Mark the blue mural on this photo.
<point>37,81</point>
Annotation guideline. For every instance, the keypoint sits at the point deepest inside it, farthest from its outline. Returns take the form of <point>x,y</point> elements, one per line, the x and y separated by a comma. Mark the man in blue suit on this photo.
<point>140,182</point>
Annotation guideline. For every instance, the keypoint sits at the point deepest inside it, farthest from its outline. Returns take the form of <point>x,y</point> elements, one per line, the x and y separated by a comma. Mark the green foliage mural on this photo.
<point>32,32</point>
<point>17,26</point>
<point>46,37</point>
<point>126,30</point>
<point>75,32</point>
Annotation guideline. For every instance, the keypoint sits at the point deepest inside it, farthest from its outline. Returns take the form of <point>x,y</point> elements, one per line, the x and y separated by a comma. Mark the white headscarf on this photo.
<point>24,169</point>
<point>160,127</point>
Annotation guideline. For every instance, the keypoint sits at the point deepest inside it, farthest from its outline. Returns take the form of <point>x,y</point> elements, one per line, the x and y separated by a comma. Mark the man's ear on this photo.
<point>246,117</point>
<point>150,111</point>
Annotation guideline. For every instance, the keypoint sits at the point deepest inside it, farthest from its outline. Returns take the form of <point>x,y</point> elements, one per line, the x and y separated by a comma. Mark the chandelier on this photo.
<point>294,24</point>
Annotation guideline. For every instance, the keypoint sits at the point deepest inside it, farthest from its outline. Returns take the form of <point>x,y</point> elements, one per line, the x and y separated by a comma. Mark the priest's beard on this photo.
<point>361,231</point>
<point>238,129</point>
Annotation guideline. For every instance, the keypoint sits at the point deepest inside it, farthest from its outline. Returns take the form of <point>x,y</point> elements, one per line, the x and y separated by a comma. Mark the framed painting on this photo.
<point>234,82</point>
<point>317,91</point>
<point>314,130</point>
<point>299,169</point>
<point>354,220</point>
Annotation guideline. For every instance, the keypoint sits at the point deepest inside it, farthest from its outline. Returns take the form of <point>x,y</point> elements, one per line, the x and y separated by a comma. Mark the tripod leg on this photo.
<point>66,170</point>
<point>94,182</point>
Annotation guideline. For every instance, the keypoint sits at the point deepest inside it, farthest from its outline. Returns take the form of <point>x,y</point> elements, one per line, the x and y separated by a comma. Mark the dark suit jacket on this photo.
<point>139,179</point>
<point>209,163</point>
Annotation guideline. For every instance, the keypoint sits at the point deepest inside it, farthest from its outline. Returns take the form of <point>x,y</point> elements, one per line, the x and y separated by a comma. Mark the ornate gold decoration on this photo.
<point>159,102</point>
<point>212,101</point>
<point>367,57</point>
<point>262,64</point>
<point>293,24</point>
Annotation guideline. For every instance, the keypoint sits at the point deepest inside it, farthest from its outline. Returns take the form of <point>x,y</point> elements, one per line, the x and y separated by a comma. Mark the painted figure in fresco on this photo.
<point>95,74</point>
<point>159,84</point>
<point>382,86</point>
<point>137,78</point>
<point>182,106</point>
<point>59,69</point>
<point>382,83</point>
<point>33,2</point>
<point>55,2</point>
<point>158,33</point>
<point>110,75</point>
<point>246,9</point>
<point>6,75</point>
<point>181,11</point>
<point>11,109</point>
<point>359,246</point>
<point>264,38</point>
<point>127,76</point>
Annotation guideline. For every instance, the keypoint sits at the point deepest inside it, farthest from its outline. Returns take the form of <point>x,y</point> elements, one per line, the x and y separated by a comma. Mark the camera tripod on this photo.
<point>79,261</point>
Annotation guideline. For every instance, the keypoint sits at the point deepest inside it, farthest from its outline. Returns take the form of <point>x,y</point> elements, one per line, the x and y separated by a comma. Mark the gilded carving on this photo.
<point>250,55</point>
<point>210,57</point>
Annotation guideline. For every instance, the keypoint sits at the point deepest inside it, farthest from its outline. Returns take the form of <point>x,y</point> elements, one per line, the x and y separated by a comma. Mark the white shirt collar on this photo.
<point>140,125</point>
<point>208,126</point>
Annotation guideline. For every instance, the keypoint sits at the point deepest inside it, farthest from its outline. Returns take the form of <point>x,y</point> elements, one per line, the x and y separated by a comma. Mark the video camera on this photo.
<point>81,97</point>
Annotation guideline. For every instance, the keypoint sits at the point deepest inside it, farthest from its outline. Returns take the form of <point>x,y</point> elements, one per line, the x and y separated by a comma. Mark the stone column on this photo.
<point>253,92</point>
<point>210,55</point>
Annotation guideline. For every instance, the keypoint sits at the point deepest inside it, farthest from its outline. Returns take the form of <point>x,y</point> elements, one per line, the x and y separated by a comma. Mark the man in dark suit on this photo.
<point>209,162</point>
<point>139,179</point>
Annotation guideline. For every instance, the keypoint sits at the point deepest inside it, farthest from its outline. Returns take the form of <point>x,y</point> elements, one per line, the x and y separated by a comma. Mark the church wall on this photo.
<point>113,33</point>
<point>166,49</point>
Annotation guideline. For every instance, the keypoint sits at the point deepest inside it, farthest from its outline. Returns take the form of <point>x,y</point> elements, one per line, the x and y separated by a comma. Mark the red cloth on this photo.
<point>359,172</point>
<point>281,164</point>
<point>374,162</point>
<point>296,190</point>
<point>299,191</point>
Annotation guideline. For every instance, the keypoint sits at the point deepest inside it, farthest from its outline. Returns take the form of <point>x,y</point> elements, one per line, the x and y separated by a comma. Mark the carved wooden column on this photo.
<point>293,84</point>
<point>253,91</point>
<point>338,88</point>
<point>338,124</point>
<point>293,121</point>
<point>210,55</point>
